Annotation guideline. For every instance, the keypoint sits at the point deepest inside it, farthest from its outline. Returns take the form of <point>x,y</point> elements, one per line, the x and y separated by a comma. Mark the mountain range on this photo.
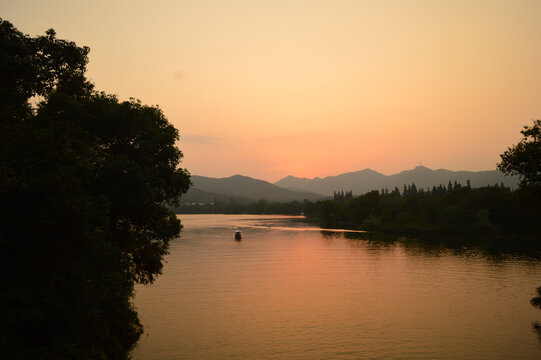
<point>243,189</point>
<point>366,180</point>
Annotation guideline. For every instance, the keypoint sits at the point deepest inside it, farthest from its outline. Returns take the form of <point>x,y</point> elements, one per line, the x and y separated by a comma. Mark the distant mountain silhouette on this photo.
<point>241,189</point>
<point>360,182</point>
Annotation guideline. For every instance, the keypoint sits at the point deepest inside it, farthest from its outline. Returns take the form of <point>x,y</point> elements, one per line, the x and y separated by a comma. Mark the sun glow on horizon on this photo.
<point>316,88</point>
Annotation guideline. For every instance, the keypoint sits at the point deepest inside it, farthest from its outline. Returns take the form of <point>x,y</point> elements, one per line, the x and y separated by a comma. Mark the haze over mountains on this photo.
<point>240,189</point>
<point>361,182</point>
<point>244,189</point>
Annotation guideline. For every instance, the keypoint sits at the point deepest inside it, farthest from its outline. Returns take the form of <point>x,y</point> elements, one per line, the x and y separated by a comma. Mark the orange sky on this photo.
<point>315,88</point>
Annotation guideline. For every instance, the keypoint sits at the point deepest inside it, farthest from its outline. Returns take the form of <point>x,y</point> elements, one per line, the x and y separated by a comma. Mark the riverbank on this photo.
<point>454,209</point>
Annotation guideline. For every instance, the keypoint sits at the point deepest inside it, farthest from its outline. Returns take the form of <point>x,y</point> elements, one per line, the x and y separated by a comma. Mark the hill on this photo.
<point>242,189</point>
<point>366,180</point>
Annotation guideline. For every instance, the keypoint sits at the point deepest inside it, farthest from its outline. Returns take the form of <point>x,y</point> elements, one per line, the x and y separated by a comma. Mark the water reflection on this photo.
<point>489,247</point>
<point>495,250</point>
<point>292,290</point>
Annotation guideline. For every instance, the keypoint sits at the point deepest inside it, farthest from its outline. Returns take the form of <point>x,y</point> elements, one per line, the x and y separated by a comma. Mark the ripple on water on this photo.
<point>288,290</point>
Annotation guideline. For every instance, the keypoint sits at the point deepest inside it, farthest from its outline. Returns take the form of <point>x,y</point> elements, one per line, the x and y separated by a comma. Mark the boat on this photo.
<point>238,235</point>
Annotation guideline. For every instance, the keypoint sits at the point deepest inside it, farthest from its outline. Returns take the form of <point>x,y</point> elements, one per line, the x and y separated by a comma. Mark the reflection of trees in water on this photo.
<point>493,248</point>
<point>536,302</point>
<point>537,329</point>
<point>330,234</point>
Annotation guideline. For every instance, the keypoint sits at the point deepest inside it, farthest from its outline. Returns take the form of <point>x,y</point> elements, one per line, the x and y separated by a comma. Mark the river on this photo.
<point>289,290</point>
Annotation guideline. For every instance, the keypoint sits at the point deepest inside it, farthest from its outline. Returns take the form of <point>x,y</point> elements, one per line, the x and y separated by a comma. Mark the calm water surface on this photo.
<point>288,290</point>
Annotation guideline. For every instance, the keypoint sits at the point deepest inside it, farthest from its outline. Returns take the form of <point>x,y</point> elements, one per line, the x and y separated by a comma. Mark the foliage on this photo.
<point>524,158</point>
<point>452,209</point>
<point>84,180</point>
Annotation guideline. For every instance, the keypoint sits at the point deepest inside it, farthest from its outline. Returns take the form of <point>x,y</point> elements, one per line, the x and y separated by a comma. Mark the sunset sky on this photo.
<point>315,88</point>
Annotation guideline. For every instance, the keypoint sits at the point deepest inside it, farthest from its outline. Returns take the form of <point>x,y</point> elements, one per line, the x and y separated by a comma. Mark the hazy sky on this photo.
<point>315,88</point>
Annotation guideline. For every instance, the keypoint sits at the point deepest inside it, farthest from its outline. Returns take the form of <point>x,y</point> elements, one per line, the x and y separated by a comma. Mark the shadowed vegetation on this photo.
<point>451,209</point>
<point>524,160</point>
<point>84,180</point>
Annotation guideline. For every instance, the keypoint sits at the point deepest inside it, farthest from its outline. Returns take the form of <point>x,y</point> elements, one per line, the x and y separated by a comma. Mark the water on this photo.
<point>288,290</point>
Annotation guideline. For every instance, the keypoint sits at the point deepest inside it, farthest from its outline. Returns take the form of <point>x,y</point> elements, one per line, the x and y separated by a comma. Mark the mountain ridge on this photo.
<point>367,179</point>
<point>242,189</point>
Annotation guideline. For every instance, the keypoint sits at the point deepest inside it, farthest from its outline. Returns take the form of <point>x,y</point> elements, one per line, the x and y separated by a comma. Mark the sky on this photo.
<point>314,87</point>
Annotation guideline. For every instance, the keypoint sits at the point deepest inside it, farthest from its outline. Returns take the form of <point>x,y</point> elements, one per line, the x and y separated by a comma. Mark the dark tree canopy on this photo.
<point>37,67</point>
<point>85,180</point>
<point>524,158</point>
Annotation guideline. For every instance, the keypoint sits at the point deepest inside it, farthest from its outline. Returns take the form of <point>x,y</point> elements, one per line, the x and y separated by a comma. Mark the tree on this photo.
<point>85,180</point>
<point>524,158</point>
<point>36,67</point>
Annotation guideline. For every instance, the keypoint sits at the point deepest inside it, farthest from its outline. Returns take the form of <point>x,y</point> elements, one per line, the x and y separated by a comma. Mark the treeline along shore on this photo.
<point>451,208</point>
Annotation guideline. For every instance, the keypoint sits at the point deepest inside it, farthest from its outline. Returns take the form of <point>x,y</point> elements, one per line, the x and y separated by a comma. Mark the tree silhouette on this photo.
<point>84,183</point>
<point>524,158</point>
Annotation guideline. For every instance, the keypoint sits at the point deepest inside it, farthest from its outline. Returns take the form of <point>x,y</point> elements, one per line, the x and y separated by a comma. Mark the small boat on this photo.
<point>238,235</point>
